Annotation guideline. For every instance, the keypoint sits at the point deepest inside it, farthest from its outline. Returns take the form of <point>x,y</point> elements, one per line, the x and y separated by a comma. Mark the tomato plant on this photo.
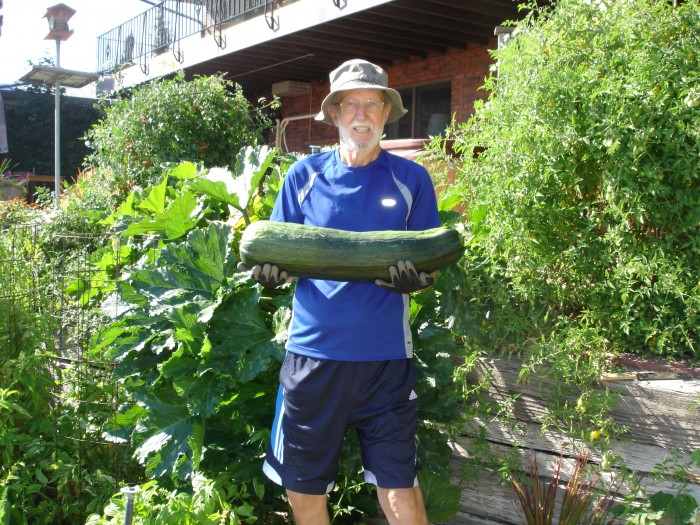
<point>585,196</point>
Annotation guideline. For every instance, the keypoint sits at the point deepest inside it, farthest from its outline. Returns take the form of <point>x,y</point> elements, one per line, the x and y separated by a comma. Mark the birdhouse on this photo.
<point>58,17</point>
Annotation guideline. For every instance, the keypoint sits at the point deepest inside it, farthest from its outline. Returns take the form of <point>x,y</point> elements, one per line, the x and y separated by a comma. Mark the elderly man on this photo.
<point>348,362</point>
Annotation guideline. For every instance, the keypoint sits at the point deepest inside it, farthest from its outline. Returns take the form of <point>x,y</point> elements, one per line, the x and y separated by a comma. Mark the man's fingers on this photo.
<point>269,275</point>
<point>405,278</point>
<point>268,271</point>
<point>403,269</point>
<point>407,268</point>
<point>426,279</point>
<point>409,273</point>
<point>394,275</point>
<point>255,272</point>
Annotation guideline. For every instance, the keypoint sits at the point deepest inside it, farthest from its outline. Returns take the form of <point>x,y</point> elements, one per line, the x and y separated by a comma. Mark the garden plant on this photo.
<point>198,345</point>
<point>579,177</point>
<point>205,120</point>
<point>577,185</point>
<point>584,199</point>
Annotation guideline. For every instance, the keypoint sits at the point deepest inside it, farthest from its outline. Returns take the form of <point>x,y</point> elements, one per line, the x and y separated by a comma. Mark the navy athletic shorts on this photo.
<point>320,399</point>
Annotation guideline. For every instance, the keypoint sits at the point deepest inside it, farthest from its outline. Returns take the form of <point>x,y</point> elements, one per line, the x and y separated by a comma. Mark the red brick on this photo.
<point>466,68</point>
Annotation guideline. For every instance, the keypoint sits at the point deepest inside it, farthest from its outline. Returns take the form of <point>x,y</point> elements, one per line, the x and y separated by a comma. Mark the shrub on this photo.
<point>585,202</point>
<point>206,120</point>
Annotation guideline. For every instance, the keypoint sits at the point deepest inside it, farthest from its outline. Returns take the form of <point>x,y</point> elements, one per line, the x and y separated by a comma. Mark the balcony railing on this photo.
<point>161,28</point>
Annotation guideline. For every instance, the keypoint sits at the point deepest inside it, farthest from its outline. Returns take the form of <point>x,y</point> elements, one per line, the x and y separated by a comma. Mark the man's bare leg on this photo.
<point>309,509</point>
<point>403,506</point>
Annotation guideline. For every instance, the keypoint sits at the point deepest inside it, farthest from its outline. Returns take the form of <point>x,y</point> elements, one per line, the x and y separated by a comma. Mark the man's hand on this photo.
<point>267,275</point>
<point>406,279</point>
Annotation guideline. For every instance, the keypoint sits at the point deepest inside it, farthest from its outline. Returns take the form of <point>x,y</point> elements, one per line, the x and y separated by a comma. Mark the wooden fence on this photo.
<point>660,410</point>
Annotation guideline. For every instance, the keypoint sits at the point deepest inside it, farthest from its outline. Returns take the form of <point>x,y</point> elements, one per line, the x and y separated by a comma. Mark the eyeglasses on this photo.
<point>351,107</point>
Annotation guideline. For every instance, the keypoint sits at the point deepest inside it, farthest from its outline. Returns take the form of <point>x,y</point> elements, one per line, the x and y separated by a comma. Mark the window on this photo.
<point>429,112</point>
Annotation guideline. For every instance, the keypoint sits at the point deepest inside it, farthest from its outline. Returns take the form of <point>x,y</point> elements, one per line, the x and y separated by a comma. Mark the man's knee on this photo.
<point>309,509</point>
<point>403,506</point>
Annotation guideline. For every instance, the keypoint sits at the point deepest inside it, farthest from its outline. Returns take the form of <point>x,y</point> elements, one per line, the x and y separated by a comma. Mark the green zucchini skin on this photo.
<point>339,255</point>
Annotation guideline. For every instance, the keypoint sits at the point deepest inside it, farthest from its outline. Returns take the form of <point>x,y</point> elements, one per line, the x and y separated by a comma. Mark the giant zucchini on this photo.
<point>339,255</point>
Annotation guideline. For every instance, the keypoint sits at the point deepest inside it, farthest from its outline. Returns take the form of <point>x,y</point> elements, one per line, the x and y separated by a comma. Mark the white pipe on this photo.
<point>282,126</point>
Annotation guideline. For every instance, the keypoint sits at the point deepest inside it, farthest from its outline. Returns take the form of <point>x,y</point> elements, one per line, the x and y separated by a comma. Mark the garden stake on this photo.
<point>130,495</point>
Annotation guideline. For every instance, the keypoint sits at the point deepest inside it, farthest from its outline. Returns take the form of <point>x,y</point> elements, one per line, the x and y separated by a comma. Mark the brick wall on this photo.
<point>466,68</point>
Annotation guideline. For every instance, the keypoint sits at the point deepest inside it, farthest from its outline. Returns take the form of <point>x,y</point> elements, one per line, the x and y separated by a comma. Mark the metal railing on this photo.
<point>161,28</point>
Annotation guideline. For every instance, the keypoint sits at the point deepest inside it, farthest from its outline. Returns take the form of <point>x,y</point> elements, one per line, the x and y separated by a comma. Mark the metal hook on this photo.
<point>219,36</point>
<point>220,39</point>
<point>272,23</point>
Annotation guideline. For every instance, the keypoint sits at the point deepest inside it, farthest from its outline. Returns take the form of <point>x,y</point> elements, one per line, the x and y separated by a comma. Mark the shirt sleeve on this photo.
<point>424,211</point>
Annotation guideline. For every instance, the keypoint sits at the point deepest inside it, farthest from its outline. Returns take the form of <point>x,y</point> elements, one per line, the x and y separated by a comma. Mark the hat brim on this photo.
<point>397,109</point>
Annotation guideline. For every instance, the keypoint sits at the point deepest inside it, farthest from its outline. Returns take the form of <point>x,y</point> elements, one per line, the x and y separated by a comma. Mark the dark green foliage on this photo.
<point>197,345</point>
<point>193,348</point>
<point>52,470</point>
<point>206,120</point>
<point>585,203</point>
<point>30,131</point>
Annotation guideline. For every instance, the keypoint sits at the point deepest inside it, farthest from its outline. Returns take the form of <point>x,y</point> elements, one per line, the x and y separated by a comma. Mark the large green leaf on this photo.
<point>237,189</point>
<point>252,165</point>
<point>242,345</point>
<point>191,271</point>
<point>121,338</point>
<point>440,495</point>
<point>155,200</point>
<point>173,436</point>
<point>126,208</point>
<point>204,392</point>
<point>223,190</point>
<point>184,171</point>
<point>434,346</point>
<point>142,366</point>
<point>174,222</point>
<point>434,450</point>
<point>121,425</point>
<point>163,349</point>
<point>682,507</point>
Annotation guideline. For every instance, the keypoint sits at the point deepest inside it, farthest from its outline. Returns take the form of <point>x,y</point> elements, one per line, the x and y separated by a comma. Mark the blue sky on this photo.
<point>25,28</point>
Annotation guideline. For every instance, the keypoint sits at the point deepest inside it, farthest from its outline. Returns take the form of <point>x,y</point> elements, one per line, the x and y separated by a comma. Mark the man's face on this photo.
<point>360,116</point>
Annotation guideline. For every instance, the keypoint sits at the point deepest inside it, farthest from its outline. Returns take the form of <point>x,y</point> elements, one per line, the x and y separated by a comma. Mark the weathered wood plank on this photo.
<point>643,457</point>
<point>489,500</point>
<point>547,463</point>
<point>645,407</point>
<point>660,414</point>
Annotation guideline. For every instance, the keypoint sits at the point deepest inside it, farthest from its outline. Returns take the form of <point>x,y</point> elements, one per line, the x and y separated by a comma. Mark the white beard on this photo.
<point>355,144</point>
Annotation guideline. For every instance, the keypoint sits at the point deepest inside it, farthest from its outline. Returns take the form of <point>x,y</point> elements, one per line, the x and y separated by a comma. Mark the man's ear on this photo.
<point>387,110</point>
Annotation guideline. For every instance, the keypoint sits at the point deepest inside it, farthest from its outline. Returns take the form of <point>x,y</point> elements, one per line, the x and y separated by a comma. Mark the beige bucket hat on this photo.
<point>360,74</point>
